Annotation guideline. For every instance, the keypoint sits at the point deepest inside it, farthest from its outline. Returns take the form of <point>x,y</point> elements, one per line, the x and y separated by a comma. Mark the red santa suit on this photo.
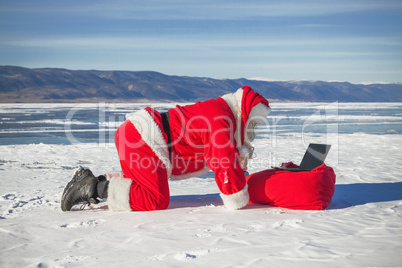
<point>207,135</point>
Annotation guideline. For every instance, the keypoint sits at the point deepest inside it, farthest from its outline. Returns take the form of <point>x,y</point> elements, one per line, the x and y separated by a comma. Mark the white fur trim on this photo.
<point>233,100</point>
<point>184,176</point>
<point>258,113</point>
<point>152,134</point>
<point>118,195</point>
<point>237,200</point>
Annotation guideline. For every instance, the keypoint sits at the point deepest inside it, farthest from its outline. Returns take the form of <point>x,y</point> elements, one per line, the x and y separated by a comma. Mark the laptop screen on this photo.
<point>314,156</point>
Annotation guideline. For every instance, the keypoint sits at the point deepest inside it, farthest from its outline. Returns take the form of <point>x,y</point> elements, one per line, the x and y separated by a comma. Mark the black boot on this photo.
<point>102,187</point>
<point>83,187</point>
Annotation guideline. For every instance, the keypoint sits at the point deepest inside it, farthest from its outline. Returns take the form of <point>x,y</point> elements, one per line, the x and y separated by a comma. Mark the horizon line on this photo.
<point>262,79</point>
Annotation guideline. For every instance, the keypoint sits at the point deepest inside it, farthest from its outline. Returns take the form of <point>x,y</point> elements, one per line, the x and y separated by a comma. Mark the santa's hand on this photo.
<point>243,163</point>
<point>244,156</point>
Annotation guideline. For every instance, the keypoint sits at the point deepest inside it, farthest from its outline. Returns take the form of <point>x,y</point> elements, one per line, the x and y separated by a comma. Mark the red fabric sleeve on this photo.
<point>223,158</point>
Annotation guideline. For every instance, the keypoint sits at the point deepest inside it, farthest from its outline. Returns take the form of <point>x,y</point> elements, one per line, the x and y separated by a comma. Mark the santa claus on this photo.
<point>184,142</point>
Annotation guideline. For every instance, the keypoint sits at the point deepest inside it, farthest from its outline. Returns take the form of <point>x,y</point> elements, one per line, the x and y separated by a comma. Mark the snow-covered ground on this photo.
<point>361,228</point>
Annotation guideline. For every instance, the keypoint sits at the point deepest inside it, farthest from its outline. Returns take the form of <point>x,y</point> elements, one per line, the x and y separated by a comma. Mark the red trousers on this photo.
<point>149,188</point>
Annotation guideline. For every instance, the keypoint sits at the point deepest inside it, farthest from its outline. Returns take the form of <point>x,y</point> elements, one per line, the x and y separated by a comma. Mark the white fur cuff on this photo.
<point>118,196</point>
<point>237,200</point>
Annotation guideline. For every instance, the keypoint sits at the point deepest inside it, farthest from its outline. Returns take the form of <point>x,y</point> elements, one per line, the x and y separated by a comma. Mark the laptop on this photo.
<point>314,157</point>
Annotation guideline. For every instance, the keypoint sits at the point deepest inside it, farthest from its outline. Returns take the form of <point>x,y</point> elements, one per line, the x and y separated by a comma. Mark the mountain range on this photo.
<point>19,84</point>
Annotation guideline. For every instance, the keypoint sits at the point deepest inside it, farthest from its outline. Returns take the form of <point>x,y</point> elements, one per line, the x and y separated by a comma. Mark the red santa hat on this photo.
<point>249,102</point>
<point>246,106</point>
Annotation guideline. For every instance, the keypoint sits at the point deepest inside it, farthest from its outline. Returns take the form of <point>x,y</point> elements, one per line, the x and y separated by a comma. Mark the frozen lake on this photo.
<point>96,123</point>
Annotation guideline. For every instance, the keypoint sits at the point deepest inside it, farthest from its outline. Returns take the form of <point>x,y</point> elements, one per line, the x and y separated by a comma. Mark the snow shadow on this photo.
<point>347,195</point>
<point>183,201</point>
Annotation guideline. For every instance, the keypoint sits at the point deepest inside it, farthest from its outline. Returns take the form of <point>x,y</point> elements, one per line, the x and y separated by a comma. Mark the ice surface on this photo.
<point>361,228</point>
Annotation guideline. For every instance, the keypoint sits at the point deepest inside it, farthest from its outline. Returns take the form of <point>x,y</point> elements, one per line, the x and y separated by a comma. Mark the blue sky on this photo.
<point>342,40</point>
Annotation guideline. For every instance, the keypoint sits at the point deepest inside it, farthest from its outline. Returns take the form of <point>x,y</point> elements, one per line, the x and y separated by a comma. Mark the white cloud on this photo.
<point>189,42</point>
<point>198,10</point>
<point>239,10</point>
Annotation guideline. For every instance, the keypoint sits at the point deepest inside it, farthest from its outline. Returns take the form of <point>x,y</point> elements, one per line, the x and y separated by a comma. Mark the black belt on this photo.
<point>166,128</point>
